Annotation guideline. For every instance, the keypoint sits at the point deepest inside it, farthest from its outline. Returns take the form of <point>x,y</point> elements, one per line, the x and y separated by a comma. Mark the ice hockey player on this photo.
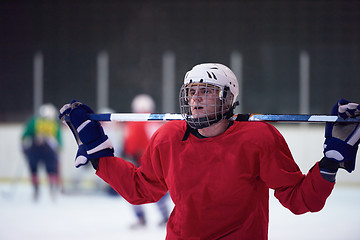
<point>218,172</point>
<point>41,144</point>
<point>136,138</point>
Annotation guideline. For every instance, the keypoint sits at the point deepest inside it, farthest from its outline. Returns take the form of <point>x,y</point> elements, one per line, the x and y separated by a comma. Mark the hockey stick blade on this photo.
<point>141,117</point>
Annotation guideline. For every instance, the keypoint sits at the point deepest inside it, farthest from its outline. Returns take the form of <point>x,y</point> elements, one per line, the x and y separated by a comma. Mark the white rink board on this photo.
<point>305,142</point>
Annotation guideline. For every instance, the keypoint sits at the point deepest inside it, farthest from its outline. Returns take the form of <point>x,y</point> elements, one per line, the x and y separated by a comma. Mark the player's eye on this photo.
<point>207,91</point>
<point>191,92</point>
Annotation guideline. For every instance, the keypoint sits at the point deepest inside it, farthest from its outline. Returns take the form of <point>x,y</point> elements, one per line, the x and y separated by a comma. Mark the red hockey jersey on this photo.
<point>219,185</point>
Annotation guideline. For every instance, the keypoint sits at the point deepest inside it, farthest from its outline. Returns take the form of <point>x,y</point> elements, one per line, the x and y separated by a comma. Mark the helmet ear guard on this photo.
<point>230,113</point>
<point>228,101</point>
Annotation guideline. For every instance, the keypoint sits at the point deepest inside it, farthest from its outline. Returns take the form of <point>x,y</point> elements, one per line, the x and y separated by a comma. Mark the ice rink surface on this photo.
<point>99,216</point>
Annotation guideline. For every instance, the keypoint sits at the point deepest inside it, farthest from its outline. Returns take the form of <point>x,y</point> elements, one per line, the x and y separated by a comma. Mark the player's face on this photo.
<point>204,100</point>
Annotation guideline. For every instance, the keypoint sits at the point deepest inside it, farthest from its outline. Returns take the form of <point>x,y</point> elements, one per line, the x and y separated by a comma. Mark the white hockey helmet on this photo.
<point>143,103</point>
<point>209,75</point>
<point>48,110</point>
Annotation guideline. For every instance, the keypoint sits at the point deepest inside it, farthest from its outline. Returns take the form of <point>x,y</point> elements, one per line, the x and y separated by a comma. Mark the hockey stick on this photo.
<point>140,117</point>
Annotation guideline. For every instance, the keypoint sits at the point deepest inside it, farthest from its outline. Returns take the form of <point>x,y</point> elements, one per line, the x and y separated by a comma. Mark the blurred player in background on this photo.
<point>218,171</point>
<point>136,139</point>
<point>41,143</point>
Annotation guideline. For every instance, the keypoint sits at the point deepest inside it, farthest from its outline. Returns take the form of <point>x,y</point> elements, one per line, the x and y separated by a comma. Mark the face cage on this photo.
<point>214,103</point>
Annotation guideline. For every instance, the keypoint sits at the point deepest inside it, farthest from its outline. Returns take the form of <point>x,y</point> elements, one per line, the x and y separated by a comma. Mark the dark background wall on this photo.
<point>269,34</point>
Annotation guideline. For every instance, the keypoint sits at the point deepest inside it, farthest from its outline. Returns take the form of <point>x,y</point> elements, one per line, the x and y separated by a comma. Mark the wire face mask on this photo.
<point>203,104</point>
<point>208,94</point>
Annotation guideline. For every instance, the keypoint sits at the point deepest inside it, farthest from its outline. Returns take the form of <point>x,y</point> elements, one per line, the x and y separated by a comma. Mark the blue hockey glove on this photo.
<point>89,134</point>
<point>341,140</point>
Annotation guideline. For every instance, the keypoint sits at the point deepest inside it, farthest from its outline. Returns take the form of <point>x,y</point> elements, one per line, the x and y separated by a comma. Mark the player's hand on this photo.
<point>342,139</point>
<point>89,134</point>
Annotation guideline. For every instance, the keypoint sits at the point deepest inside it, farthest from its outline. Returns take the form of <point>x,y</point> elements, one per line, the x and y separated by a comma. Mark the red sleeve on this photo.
<point>309,194</point>
<point>298,192</point>
<point>141,185</point>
